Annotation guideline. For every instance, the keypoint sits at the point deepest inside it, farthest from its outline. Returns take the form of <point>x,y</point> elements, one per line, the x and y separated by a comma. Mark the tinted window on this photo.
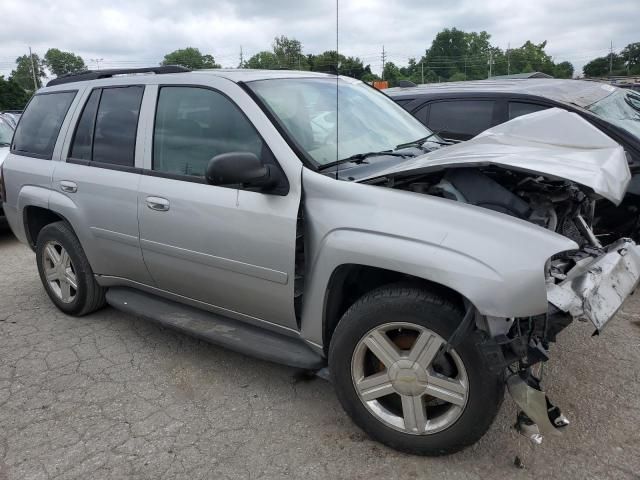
<point>402,102</point>
<point>114,138</point>
<point>461,119</point>
<point>517,109</point>
<point>83,137</point>
<point>194,125</point>
<point>39,126</point>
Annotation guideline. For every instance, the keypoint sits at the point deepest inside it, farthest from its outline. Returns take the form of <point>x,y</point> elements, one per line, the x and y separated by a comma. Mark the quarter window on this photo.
<point>106,131</point>
<point>461,119</point>
<point>517,109</point>
<point>40,125</point>
<point>194,125</point>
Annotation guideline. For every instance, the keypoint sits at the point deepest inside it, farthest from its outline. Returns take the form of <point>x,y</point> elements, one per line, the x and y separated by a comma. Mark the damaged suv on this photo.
<point>307,219</point>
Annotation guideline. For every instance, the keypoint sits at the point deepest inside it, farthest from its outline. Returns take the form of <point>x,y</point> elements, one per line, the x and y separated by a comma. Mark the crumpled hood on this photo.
<point>4,151</point>
<point>554,142</point>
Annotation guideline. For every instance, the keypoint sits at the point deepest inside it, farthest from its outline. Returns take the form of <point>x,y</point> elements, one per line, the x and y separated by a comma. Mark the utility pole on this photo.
<point>33,70</point>
<point>490,63</point>
<point>384,60</point>
<point>97,62</point>
<point>509,58</point>
<point>422,67</point>
<point>611,59</point>
<point>241,58</point>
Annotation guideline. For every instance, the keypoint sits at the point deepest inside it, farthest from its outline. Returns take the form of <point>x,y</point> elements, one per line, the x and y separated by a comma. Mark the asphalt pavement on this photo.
<point>114,396</point>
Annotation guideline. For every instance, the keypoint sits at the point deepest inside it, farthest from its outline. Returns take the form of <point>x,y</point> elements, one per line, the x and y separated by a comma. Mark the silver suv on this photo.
<point>307,219</point>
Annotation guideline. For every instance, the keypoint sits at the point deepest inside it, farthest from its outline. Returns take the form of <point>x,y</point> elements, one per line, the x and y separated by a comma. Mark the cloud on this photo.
<point>137,32</point>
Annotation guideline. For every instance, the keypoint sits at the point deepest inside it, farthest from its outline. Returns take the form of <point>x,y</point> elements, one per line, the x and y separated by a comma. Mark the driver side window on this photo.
<point>193,125</point>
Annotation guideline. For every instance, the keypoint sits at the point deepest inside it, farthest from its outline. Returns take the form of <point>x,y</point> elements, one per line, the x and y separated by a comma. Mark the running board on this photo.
<point>225,332</point>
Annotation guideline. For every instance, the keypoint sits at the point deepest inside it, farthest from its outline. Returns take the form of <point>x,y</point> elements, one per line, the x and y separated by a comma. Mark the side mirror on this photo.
<point>238,168</point>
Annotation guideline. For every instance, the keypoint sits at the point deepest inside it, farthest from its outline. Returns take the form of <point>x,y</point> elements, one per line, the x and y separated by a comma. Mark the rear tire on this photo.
<point>65,271</point>
<point>419,399</point>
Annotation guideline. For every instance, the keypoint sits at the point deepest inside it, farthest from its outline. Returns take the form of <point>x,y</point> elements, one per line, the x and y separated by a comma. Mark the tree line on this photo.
<point>454,55</point>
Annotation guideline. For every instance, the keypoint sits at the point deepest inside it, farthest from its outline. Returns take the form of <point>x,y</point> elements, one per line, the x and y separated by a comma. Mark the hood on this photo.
<point>554,143</point>
<point>4,151</point>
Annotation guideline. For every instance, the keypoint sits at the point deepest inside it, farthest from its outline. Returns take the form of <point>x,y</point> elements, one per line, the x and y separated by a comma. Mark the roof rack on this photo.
<point>97,74</point>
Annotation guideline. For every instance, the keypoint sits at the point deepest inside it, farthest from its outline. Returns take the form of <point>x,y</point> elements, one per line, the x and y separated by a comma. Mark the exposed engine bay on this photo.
<point>589,283</point>
<point>558,205</point>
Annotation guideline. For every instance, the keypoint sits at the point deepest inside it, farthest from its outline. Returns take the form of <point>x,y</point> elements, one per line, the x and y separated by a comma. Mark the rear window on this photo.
<point>40,124</point>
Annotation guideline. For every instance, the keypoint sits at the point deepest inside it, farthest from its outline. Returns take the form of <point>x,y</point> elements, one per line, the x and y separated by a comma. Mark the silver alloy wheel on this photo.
<point>430,400</point>
<point>59,271</point>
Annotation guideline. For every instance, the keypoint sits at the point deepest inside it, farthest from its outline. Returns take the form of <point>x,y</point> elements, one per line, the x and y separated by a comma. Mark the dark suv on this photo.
<point>459,111</point>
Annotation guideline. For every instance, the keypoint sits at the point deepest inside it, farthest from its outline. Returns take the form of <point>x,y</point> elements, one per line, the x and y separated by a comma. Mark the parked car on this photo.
<point>11,116</point>
<point>228,204</point>
<point>6,132</point>
<point>461,110</point>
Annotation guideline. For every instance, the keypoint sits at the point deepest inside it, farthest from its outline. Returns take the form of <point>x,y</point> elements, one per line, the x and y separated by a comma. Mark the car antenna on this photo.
<point>337,79</point>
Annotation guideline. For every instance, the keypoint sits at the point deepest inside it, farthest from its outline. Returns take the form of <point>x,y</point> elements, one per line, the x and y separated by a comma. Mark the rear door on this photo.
<point>231,248</point>
<point>99,179</point>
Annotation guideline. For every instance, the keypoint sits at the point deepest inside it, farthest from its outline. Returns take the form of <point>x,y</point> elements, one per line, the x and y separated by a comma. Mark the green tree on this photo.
<point>23,73</point>
<point>563,70</point>
<point>61,63</point>
<point>631,57</point>
<point>392,74</point>
<point>190,57</point>
<point>531,57</point>
<point>288,51</point>
<point>600,67</point>
<point>12,95</point>
<point>332,62</point>
<point>262,60</point>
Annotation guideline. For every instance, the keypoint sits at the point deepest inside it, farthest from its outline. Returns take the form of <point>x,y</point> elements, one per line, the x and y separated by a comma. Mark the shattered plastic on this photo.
<point>554,143</point>
<point>597,287</point>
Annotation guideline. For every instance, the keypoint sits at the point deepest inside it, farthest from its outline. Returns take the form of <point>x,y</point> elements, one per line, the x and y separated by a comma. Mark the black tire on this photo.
<point>418,306</point>
<point>89,295</point>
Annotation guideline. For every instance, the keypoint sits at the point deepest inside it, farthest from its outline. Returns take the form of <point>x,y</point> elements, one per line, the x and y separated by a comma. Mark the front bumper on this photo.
<point>597,287</point>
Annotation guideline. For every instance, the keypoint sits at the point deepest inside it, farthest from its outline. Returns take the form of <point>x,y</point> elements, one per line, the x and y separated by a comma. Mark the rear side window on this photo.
<point>106,131</point>
<point>40,124</point>
<point>517,109</point>
<point>461,119</point>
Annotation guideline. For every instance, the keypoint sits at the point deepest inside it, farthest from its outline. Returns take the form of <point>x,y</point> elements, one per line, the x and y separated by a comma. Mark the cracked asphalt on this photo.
<point>113,396</point>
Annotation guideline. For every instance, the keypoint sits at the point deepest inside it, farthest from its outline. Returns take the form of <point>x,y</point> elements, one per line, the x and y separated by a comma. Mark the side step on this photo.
<point>219,330</point>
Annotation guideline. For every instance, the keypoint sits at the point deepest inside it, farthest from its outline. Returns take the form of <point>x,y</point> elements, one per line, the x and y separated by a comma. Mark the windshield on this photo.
<point>6,133</point>
<point>622,108</point>
<point>363,120</point>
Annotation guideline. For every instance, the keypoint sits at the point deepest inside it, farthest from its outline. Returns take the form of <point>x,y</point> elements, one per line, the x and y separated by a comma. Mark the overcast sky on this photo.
<point>139,32</point>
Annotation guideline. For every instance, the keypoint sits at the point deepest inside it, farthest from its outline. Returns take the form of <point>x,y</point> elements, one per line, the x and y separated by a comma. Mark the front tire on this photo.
<point>396,381</point>
<point>65,271</point>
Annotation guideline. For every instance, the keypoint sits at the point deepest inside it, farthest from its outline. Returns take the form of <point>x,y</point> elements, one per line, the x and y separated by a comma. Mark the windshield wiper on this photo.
<point>360,157</point>
<point>418,143</point>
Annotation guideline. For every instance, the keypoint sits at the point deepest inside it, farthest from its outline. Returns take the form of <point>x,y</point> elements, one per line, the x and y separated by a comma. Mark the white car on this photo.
<point>6,133</point>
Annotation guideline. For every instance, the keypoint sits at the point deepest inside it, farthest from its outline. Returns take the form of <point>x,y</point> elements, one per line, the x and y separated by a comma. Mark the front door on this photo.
<point>230,248</point>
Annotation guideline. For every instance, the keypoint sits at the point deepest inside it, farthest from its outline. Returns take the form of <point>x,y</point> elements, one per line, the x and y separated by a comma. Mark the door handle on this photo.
<point>158,203</point>
<point>68,186</point>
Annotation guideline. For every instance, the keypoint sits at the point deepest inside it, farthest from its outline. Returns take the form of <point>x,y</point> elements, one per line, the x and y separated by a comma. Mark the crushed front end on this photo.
<point>590,284</point>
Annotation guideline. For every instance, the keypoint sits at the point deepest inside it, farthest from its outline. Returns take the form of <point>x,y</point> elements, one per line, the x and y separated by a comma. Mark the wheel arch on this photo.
<point>349,282</point>
<point>35,218</point>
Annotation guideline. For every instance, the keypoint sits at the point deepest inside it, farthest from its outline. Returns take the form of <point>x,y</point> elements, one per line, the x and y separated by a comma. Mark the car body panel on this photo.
<point>495,261</point>
<point>552,142</point>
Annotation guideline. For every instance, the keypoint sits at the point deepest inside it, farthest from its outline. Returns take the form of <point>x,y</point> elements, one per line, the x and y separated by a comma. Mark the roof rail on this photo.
<point>97,74</point>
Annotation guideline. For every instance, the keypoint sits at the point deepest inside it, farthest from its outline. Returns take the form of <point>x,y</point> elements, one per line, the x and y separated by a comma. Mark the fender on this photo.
<point>494,260</point>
